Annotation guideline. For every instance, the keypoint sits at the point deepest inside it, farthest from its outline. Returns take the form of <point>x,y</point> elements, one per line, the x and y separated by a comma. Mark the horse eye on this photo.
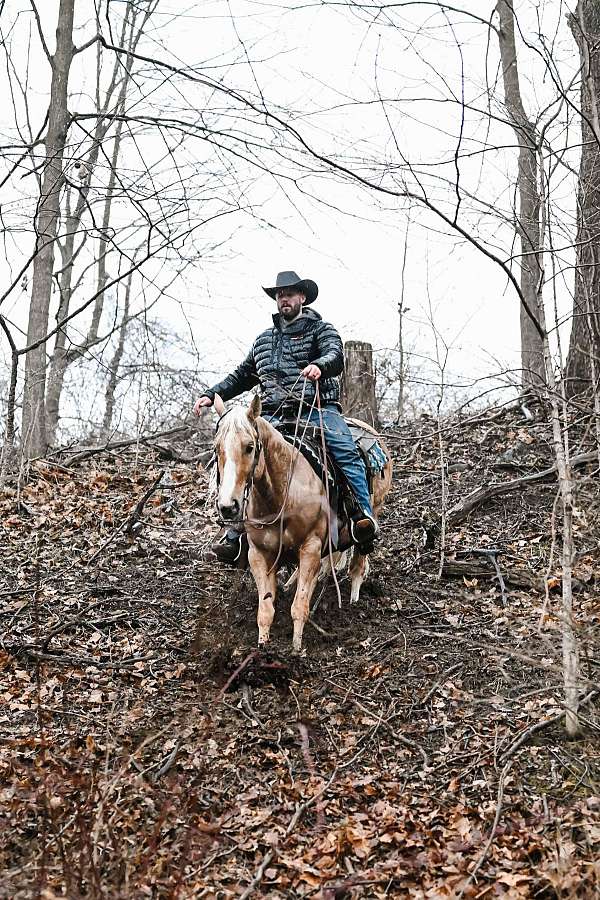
<point>249,448</point>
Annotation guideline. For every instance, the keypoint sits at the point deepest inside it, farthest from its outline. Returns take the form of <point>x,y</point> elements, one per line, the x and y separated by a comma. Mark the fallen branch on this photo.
<point>488,492</point>
<point>473,568</point>
<point>69,660</point>
<point>79,456</point>
<point>131,520</point>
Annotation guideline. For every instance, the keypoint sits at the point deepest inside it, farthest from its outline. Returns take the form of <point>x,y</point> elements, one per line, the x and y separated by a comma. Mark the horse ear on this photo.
<point>255,408</point>
<point>219,405</point>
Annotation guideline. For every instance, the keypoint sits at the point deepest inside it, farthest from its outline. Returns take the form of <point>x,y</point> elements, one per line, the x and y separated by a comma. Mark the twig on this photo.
<point>80,620</point>
<point>250,709</point>
<point>252,655</point>
<point>131,519</point>
<point>308,759</point>
<point>540,726</point>
<point>490,839</point>
<point>492,553</point>
<point>399,737</point>
<point>270,855</point>
<point>318,628</point>
<point>167,763</point>
<point>439,682</point>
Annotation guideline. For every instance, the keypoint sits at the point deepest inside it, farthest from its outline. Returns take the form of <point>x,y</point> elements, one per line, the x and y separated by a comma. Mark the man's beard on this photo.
<point>291,312</point>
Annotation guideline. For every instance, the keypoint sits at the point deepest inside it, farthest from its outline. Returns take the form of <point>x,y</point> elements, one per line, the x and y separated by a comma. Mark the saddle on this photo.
<point>307,438</point>
<point>308,441</point>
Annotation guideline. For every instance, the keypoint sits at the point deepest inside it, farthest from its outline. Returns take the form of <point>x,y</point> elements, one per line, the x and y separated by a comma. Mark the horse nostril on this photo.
<point>230,510</point>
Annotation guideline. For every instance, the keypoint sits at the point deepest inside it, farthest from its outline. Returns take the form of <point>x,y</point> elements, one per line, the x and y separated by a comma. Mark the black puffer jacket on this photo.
<point>278,356</point>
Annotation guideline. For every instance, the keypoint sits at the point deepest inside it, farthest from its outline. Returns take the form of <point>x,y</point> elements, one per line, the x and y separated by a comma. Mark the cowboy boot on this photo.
<point>231,547</point>
<point>362,524</point>
<point>363,530</point>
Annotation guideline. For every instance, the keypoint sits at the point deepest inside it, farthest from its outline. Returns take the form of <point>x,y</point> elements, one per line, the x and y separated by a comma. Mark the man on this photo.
<point>299,345</point>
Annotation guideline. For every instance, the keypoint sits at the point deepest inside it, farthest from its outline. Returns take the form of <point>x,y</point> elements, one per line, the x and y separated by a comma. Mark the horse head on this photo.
<point>238,449</point>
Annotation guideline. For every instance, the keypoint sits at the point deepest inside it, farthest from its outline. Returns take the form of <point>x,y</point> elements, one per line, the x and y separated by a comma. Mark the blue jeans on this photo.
<point>340,444</point>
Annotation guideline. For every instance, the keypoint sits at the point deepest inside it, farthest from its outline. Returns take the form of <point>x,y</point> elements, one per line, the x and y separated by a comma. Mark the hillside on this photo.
<point>416,751</point>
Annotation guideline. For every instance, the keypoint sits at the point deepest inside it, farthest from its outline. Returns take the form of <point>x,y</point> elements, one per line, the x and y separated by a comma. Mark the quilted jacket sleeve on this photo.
<point>241,379</point>
<point>330,351</point>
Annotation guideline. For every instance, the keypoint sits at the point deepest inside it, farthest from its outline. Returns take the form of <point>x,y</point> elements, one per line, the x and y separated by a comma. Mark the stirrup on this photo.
<point>231,547</point>
<point>363,530</point>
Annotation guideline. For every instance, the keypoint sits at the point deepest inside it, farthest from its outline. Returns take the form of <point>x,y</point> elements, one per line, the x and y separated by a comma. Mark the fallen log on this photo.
<point>482,494</point>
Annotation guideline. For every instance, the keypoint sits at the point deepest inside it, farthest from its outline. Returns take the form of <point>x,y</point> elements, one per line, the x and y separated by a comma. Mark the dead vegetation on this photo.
<point>418,750</point>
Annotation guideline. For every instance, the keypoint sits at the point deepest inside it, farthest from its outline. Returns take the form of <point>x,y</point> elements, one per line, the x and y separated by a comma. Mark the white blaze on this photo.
<point>229,475</point>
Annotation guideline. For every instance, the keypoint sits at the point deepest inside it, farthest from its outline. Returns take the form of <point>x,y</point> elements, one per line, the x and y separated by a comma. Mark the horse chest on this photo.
<point>268,539</point>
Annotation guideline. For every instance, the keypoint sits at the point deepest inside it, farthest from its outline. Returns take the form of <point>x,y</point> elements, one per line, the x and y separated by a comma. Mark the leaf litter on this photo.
<point>148,750</point>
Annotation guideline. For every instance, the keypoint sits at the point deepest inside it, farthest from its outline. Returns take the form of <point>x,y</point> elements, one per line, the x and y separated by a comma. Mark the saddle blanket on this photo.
<point>308,441</point>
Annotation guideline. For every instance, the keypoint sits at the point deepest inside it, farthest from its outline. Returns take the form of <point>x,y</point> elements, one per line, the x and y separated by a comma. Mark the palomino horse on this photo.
<point>268,485</point>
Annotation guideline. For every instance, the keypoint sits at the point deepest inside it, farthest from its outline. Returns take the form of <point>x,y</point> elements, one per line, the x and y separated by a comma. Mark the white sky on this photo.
<point>316,62</point>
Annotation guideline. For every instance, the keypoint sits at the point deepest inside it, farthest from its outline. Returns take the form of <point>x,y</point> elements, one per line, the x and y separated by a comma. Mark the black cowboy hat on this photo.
<point>291,280</point>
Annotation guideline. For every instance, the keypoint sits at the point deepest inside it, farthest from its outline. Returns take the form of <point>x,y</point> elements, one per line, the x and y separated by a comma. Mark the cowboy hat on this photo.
<point>291,280</point>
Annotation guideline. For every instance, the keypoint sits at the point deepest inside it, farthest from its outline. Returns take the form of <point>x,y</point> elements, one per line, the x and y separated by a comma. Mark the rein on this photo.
<point>249,485</point>
<point>258,449</point>
<point>257,523</point>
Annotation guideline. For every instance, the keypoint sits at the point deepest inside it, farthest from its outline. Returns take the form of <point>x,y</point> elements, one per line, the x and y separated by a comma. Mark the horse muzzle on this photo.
<point>230,512</point>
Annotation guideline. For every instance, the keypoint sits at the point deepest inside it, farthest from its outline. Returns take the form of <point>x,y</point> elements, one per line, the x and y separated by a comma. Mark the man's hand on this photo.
<point>201,404</point>
<point>312,372</point>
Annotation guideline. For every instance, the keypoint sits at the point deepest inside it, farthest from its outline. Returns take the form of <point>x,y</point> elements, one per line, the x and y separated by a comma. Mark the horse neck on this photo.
<point>277,458</point>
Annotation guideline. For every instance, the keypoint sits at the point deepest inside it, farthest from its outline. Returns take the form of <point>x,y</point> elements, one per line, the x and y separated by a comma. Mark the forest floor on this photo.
<point>417,750</point>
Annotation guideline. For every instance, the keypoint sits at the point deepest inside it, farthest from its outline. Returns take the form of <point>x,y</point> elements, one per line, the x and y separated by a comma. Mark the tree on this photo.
<point>584,348</point>
<point>528,217</point>
<point>46,228</point>
<point>116,175</point>
<point>358,386</point>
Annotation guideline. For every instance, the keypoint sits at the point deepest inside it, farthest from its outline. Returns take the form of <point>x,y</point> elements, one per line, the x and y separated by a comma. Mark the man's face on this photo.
<point>289,302</point>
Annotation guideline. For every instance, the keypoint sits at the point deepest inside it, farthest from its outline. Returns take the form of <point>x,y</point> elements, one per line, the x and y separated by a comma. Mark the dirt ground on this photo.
<point>417,750</point>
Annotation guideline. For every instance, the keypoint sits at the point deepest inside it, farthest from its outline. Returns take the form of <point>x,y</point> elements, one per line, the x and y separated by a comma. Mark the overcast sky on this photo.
<point>328,68</point>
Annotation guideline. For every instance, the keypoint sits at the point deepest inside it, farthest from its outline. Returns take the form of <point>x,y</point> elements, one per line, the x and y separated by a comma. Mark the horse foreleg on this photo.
<point>359,569</point>
<point>339,561</point>
<point>263,570</point>
<point>308,570</point>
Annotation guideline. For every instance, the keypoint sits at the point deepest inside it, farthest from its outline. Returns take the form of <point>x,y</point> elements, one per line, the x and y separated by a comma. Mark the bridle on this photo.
<point>249,483</point>
<point>258,449</point>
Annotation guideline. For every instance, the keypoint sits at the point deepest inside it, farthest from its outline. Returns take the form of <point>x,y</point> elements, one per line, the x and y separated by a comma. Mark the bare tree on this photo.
<point>528,218</point>
<point>584,349</point>
<point>47,221</point>
<point>109,107</point>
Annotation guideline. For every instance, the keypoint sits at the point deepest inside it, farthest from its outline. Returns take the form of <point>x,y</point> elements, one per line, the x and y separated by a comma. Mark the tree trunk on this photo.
<point>585,333</point>
<point>34,413</point>
<point>109,396</point>
<point>59,357</point>
<point>62,356</point>
<point>358,383</point>
<point>528,219</point>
